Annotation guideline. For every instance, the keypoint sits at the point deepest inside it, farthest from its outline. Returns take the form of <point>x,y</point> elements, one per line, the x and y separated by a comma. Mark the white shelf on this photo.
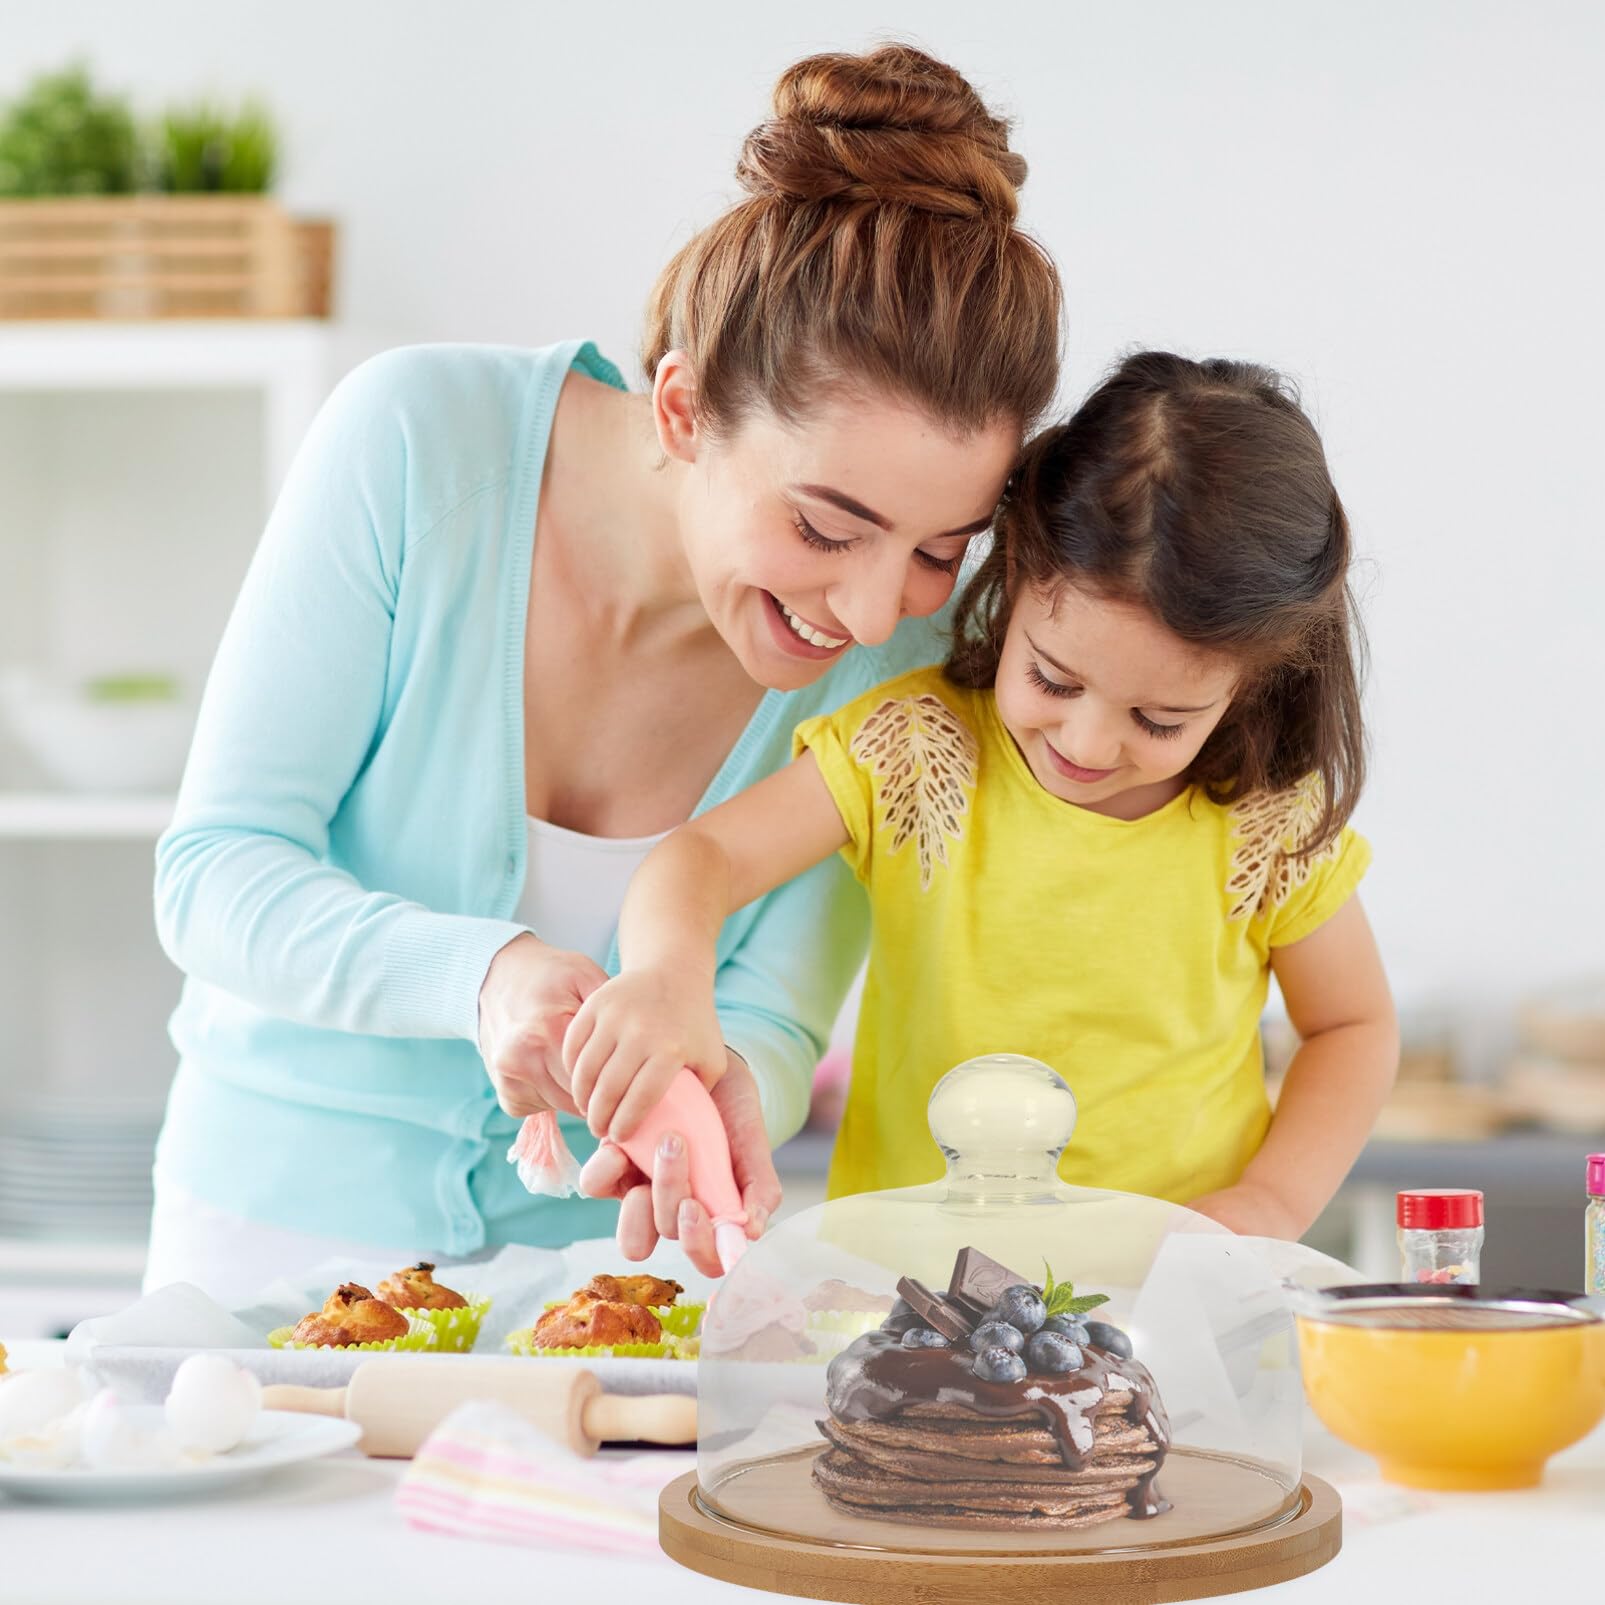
<point>286,359</point>
<point>179,354</point>
<point>28,1259</point>
<point>65,816</point>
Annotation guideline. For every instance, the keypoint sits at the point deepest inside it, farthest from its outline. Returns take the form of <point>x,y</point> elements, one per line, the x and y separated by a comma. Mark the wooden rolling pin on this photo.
<point>400,1399</point>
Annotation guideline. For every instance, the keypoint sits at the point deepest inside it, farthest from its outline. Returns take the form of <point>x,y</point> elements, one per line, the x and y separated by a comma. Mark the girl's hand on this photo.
<point>1250,1211</point>
<point>530,994</point>
<point>632,1038</point>
<point>662,1206</point>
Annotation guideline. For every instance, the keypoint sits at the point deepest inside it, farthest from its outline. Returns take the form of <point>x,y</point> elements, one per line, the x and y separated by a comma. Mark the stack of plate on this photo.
<point>78,1170</point>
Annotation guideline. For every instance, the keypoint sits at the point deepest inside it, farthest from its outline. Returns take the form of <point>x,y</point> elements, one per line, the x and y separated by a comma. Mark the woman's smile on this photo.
<point>802,635</point>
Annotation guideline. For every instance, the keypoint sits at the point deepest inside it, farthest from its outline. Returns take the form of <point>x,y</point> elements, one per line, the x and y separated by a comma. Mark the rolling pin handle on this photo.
<point>653,1418</point>
<point>306,1401</point>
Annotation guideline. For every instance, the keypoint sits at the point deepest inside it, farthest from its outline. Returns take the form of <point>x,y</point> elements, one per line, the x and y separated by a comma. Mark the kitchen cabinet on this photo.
<point>137,463</point>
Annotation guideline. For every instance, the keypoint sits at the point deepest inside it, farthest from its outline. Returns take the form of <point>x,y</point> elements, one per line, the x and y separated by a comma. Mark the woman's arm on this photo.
<point>635,1034</point>
<point>1338,1001</point>
<point>244,897</point>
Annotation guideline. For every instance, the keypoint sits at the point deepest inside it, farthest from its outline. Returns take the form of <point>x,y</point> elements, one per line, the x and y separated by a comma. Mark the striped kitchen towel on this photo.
<point>485,1472</point>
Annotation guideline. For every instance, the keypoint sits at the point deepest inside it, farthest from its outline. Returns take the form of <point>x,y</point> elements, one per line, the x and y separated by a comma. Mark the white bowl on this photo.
<point>85,743</point>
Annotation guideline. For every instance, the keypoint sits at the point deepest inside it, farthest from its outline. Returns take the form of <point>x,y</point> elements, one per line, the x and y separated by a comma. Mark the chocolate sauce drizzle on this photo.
<point>875,1379</point>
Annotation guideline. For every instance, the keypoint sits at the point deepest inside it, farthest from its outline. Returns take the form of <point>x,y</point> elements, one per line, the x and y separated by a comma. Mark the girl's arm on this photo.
<point>1338,1001</point>
<point>634,1035</point>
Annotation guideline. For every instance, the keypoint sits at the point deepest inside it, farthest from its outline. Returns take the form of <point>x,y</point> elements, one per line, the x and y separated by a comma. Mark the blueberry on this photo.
<point>1109,1338</point>
<point>1053,1352</point>
<point>1021,1307</point>
<point>999,1364</point>
<point>1070,1326</point>
<point>996,1334</point>
<point>922,1337</point>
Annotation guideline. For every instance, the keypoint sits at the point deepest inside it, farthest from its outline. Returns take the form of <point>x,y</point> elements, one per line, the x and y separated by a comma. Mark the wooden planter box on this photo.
<point>162,256</point>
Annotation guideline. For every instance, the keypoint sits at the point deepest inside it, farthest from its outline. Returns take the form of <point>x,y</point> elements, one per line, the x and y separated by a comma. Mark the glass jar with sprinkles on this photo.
<point>1440,1234</point>
<point>1594,1227</point>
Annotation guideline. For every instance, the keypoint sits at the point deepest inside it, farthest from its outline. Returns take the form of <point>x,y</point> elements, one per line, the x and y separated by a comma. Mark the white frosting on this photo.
<point>745,1305</point>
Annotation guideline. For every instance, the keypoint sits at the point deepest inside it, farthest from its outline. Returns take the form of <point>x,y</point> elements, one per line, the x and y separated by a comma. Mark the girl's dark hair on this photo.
<point>1200,491</point>
<point>878,243</point>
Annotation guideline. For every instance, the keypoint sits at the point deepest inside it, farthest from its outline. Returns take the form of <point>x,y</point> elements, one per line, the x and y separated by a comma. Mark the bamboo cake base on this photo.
<point>883,1563</point>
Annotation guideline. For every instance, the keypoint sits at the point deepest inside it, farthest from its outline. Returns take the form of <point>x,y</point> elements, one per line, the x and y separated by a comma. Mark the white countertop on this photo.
<point>330,1529</point>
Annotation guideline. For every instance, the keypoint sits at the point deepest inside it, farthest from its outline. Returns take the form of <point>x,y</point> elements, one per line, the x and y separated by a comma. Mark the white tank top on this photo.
<point>574,885</point>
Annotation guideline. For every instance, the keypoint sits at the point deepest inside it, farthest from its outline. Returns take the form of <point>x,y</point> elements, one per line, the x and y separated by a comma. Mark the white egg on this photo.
<point>32,1401</point>
<point>212,1403</point>
<point>110,1439</point>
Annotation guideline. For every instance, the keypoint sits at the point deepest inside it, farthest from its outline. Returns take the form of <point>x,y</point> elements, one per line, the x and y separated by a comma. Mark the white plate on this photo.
<point>279,1438</point>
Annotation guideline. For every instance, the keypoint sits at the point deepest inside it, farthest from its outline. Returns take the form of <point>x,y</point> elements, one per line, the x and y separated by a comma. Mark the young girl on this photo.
<point>1093,836</point>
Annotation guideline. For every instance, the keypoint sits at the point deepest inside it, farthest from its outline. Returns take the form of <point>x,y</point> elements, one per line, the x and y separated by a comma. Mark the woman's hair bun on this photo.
<point>893,126</point>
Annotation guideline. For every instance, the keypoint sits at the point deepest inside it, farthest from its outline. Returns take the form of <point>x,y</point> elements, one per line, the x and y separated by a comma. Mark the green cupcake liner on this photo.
<point>853,1322</point>
<point>455,1330</point>
<point>417,1340</point>
<point>680,1320</point>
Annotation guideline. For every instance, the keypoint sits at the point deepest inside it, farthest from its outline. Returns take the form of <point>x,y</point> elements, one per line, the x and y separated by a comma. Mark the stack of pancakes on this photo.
<point>942,1464</point>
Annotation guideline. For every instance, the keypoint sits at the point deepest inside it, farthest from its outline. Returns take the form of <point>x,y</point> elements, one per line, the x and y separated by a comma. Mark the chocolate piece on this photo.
<point>935,1312</point>
<point>973,1313</point>
<point>902,1319</point>
<point>979,1281</point>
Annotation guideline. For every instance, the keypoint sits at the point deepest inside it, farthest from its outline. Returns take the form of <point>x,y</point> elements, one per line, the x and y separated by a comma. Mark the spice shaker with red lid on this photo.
<point>1440,1234</point>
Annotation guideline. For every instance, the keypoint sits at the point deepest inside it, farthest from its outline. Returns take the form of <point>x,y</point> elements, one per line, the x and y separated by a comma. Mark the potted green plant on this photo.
<point>63,137</point>
<point>203,150</point>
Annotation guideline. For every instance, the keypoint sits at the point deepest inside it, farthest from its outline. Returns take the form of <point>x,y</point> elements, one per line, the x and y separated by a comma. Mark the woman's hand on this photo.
<point>632,1038</point>
<point>662,1206</point>
<point>1250,1211</point>
<point>529,996</point>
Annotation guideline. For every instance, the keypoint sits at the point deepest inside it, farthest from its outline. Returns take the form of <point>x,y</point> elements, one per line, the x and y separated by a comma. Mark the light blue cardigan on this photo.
<point>349,842</point>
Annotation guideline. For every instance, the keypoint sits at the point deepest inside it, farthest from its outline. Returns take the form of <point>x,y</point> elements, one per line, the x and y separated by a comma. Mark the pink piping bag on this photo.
<point>545,1165</point>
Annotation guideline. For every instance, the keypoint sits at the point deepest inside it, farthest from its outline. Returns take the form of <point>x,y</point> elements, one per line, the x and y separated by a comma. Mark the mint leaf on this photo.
<point>1060,1297</point>
<point>1080,1306</point>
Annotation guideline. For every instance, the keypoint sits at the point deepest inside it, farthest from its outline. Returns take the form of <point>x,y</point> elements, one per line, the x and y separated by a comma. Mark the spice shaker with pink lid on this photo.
<point>1440,1234</point>
<point>1594,1227</point>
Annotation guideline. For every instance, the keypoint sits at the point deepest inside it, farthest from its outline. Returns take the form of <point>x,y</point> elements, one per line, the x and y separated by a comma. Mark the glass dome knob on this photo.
<point>1001,1121</point>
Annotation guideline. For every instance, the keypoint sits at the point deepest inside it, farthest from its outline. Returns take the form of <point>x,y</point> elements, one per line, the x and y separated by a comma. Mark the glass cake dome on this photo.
<point>999,1363</point>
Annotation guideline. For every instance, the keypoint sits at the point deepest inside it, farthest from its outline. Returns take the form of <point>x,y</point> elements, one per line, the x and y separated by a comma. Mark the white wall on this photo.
<point>1398,204</point>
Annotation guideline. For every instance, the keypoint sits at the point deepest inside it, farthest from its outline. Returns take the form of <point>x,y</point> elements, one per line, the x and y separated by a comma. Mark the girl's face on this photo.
<point>1106,705</point>
<point>805,539</point>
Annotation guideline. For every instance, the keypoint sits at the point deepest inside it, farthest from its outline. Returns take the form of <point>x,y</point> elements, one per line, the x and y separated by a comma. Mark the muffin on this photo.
<point>416,1289</point>
<point>590,1322</point>
<point>655,1292</point>
<point>350,1314</point>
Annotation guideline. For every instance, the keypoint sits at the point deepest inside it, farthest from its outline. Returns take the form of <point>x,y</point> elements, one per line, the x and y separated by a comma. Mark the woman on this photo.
<point>509,624</point>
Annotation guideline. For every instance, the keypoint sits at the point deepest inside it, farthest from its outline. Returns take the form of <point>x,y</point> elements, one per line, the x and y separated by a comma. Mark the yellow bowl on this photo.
<point>1454,1388</point>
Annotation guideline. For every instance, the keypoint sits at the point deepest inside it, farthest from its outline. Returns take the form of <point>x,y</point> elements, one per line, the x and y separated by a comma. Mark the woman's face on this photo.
<point>806,539</point>
<point>1106,705</point>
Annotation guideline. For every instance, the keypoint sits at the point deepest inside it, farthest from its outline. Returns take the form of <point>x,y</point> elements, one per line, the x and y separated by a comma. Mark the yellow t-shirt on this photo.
<point>1131,956</point>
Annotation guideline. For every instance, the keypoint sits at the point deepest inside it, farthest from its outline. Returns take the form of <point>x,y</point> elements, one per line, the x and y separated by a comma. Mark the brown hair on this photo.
<point>877,246</point>
<point>1200,491</point>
